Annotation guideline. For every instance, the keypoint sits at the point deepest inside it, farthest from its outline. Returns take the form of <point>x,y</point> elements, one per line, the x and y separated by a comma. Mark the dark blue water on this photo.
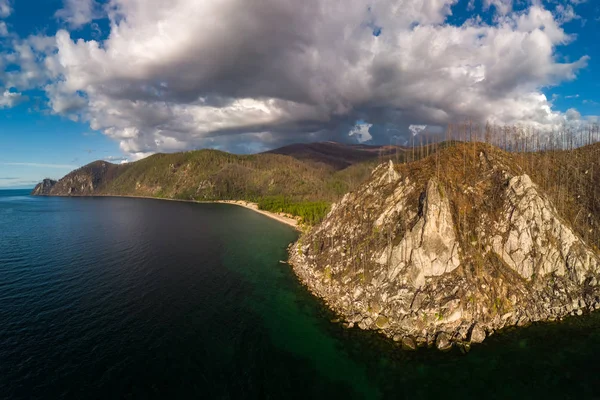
<point>132,298</point>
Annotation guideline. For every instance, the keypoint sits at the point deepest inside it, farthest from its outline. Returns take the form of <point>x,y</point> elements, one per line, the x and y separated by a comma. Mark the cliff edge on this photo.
<point>43,188</point>
<point>447,250</point>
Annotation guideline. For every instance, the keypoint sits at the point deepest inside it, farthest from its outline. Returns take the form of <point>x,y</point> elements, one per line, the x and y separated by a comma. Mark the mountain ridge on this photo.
<point>293,183</point>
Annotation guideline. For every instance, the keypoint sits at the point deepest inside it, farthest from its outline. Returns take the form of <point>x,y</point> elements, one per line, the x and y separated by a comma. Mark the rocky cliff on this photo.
<point>447,250</point>
<point>82,182</point>
<point>43,188</point>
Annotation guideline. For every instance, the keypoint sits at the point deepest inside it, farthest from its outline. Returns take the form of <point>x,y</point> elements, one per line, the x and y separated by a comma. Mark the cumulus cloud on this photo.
<point>565,13</point>
<point>503,7</point>
<point>5,8</point>
<point>233,74</point>
<point>361,132</point>
<point>77,13</point>
<point>10,99</point>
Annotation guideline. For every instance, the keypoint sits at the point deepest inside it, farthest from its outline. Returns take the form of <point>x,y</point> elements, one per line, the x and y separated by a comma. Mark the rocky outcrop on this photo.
<point>428,258</point>
<point>43,188</point>
<point>531,239</point>
<point>430,248</point>
<point>82,182</point>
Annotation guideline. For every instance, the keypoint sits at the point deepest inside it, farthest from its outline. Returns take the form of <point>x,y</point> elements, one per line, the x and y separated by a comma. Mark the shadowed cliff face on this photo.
<point>84,181</point>
<point>448,250</point>
<point>43,188</point>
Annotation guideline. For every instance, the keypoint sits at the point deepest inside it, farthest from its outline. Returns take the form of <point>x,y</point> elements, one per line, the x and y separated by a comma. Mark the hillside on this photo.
<point>451,248</point>
<point>280,183</point>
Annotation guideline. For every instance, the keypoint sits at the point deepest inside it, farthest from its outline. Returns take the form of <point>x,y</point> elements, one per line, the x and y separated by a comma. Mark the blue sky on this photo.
<point>37,144</point>
<point>167,82</point>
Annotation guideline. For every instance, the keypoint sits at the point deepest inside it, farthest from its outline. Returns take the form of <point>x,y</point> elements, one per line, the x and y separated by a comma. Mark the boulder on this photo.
<point>382,322</point>
<point>408,343</point>
<point>477,334</point>
<point>442,342</point>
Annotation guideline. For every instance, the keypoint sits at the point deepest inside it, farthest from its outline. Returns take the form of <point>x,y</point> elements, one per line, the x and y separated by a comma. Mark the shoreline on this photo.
<point>242,203</point>
<point>254,207</point>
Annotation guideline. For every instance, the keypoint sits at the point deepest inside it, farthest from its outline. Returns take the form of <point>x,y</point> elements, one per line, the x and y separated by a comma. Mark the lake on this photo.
<point>140,298</point>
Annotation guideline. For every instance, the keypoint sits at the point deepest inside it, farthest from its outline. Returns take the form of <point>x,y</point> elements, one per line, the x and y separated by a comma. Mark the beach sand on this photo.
<point>253,206</point>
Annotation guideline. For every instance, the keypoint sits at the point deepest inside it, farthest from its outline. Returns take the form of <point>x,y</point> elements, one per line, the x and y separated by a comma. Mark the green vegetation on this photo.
<point>303,188</point>
<point>311,213</point>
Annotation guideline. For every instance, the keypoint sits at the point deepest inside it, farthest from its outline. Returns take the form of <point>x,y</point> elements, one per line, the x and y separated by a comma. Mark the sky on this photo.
<point>119,80</point>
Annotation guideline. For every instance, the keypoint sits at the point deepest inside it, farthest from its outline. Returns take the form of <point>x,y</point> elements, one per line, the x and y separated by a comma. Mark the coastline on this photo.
<point>254,207</point>
<point>242,203</point>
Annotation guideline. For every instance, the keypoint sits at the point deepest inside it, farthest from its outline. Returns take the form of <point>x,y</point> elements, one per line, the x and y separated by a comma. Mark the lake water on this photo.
<point>135,298</point>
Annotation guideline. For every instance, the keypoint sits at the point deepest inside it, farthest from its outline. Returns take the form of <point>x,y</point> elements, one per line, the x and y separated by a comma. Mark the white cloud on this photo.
<point>77,13</point>
<point>503,7</point>
<point>573,115</point>
<point>10,99</point>
<point>416,129</point>
<point>180,74</point>
<point>565,13</point>
<point>5,8</point>
<point>361,132</point>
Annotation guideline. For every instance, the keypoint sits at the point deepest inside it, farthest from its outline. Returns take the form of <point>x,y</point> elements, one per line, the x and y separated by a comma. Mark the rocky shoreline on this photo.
<point>391,257</point>
<point>466,334</point>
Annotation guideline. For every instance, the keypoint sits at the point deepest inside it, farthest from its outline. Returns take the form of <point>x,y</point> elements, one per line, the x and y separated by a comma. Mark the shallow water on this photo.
<point>135,298</point>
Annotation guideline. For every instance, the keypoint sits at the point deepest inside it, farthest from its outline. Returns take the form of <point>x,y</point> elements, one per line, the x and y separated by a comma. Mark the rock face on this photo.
<point>43,188</point>
<point>532,240</point>
<point>81,182</point>
<point>438,256</point>
<point>430,248</point>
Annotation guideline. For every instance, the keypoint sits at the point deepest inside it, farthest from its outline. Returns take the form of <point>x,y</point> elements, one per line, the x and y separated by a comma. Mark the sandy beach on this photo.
<point>253,206</point>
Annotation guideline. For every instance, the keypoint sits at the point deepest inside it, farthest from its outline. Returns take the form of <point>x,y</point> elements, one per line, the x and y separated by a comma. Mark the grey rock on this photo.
<point>442,342</point>
<point>430,248</point>
<point>477,334</point>
<point>408,343</point>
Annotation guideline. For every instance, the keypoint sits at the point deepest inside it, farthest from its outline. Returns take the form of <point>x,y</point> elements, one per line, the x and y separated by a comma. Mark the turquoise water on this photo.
<point>134,298</point>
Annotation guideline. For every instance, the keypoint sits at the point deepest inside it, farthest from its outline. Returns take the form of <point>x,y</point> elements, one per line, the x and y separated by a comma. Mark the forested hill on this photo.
<point>291,182</point>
